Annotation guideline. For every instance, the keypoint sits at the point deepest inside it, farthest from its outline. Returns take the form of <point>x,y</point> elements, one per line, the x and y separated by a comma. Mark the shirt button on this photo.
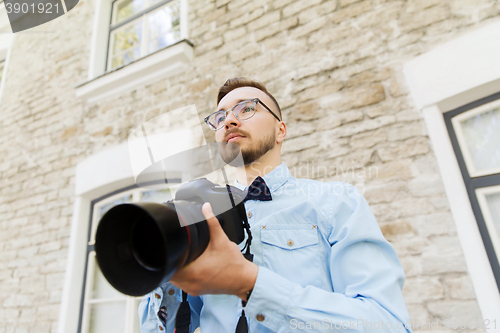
<point>171,292</point>
<point>260,317</point>
<point>249,214</point>
<point>157,296</point>
<point>161,328</point>
<point>290,242</point>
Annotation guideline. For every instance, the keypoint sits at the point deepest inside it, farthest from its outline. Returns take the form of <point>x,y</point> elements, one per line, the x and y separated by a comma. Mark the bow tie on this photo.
<point>258,190</point>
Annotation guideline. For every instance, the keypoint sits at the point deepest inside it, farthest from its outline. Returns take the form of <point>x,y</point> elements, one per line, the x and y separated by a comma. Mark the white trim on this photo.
<point>114,173</point>
<point>184,10</point>
<point>99,43</point>
<point>464,69</point>
<point>469,161</point>
<point>73,281</point>
<point>481,194</point>
<point>96,176</point>
<point>479,267</point>
<point>154,67</point>
<point>162,64</point>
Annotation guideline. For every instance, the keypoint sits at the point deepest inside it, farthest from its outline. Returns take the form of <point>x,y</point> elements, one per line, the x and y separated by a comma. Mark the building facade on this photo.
<point>399,98</point>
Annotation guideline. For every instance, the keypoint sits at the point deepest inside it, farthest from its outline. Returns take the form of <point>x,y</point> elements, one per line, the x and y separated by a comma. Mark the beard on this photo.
<point>233,155</point>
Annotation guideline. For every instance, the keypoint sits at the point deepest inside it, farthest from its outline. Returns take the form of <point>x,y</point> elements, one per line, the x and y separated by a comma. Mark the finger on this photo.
<point>213,223</point>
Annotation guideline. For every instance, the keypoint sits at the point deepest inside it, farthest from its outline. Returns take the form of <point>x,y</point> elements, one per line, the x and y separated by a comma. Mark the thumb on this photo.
<point>214,226</point>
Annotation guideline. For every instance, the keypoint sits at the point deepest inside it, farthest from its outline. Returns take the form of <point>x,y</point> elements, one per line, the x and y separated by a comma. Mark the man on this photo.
<point>320,262</point>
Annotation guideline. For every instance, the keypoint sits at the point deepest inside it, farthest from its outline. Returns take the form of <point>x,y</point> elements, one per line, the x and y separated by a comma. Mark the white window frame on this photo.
<point>114,173</point>
<point>461,71</point>
<point>488,219</point>
<point>462,141</point>
<point>159,65</point>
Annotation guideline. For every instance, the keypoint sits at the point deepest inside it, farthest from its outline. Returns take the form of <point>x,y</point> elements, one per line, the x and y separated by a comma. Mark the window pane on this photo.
<point>493,201</point>
<point>126,8</point>
<point>102,289</point>
<point>163,26</point>
<point>482,137</point>
<point>126,43</point>
<point>137,328</point>
<point>107,317</point>
<point>159,196</point>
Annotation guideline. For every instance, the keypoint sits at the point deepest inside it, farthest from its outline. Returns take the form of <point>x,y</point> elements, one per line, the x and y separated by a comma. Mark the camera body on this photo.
<point>139,246</point>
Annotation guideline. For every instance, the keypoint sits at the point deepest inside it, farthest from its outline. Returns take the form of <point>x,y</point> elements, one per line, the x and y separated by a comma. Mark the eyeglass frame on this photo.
<point>255,100</point>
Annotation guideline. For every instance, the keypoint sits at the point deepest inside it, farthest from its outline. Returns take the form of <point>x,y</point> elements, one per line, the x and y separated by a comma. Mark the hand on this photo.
<point>221,269</point>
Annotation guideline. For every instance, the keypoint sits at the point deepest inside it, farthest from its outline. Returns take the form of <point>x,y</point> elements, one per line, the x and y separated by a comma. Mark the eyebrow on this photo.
<point>239,101</point>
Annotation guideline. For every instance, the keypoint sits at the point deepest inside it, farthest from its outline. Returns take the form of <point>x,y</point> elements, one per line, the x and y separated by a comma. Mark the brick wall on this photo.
<point>335,67</point>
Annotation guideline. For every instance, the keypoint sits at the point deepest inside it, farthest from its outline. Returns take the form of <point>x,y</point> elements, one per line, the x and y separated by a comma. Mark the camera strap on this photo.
<point>183,317</point>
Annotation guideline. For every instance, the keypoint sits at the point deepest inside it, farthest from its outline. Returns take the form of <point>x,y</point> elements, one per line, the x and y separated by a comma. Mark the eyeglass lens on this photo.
<point>241,111</point>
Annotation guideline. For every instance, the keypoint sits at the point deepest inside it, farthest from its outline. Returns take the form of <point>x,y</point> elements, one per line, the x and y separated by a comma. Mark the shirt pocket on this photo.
<point>292,251</point>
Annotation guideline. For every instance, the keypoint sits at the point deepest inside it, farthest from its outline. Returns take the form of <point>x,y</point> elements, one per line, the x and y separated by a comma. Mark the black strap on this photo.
<point>183,317</point>
<point>242,326</point>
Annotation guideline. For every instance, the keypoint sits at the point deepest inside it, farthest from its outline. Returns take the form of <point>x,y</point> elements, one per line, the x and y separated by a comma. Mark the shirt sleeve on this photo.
<point>171,297</point>
<point>366,279</point>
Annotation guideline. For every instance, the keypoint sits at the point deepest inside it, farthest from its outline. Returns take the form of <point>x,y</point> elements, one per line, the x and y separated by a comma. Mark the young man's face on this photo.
<point>254,136</point>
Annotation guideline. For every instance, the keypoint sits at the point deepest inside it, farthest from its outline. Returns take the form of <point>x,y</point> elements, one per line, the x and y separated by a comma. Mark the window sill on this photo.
<point>156,66</point>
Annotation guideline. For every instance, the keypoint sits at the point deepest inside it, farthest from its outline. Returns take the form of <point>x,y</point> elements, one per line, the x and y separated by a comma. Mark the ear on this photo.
<point>281,132</point>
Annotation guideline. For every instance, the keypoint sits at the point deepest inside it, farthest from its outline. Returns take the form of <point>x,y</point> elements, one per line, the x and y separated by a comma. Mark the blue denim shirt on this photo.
<point>324,265</point>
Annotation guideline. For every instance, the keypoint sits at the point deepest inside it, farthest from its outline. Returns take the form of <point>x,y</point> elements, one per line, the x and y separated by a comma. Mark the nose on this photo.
<point>231,120</point>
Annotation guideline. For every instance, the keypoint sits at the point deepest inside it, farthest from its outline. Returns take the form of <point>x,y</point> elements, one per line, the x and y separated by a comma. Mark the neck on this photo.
<point>247,174</point>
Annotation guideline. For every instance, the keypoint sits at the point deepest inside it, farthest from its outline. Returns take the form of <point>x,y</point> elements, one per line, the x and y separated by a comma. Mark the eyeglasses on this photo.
<point>243,110</point>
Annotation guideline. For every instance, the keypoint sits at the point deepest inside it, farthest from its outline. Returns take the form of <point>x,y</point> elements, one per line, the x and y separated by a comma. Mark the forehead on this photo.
<point>240,94</point>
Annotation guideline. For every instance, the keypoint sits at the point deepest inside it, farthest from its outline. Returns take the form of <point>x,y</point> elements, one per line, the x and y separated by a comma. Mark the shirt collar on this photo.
<point>274,179</point>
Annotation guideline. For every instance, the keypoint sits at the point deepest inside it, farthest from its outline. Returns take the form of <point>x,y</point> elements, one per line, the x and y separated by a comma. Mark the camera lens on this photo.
<point>147,243</point>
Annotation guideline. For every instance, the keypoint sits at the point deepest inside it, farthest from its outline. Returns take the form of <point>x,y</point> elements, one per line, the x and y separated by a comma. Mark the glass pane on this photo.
<point>126,43</point>
<point>102,289</point>
<point>137,326</point>
<point>493,201</point>
<point>126,8</point>
<point>159,196</point>
<point>107,317</point>
<point>163,26</point>
<point>482,136</point>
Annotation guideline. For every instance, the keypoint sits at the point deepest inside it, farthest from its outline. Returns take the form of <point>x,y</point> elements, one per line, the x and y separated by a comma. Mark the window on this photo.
<point>135,43</point>
<point>104,309</point>
<point>141,27</point>
<point>474,131</point>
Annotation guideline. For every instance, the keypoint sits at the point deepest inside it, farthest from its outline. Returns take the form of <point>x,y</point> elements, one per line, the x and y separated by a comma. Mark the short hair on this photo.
<point>239,82</point>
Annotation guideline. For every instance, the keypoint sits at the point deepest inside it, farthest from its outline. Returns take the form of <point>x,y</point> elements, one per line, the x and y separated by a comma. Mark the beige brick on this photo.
<point>422,289</point>
<point>315,12</point>
<point>464,312</point>
<point>386,192</point>
<point>308,28</point>
<point>419,5</point>
<point>244,52</point>
<point>460,287</point>
<point>435,224</point>
<point>275,28</point>
<point>233,34</point>
<point>413,21</point>
<point>264,20</point>
<point>298,6</point>
<point>411,147</point>
<point>350,11</point>
<point>246,18</point>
